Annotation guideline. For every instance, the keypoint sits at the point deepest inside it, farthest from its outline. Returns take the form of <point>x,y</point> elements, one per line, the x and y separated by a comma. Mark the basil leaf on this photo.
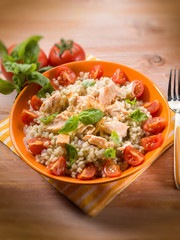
<point>115,137</point>
<point>72,153</point>
<point>138,116</point>
<point>19,81</point>
<point>38,78</point>
<point>49,118</point>
<point>87,83</point>
<point>31,53</point>
<point>23,68</point>
<point>131,102</point>
<point>16,68</point>
<point>90,116</point>
<point>20,49</point>
<point>48,88</point>
<point>110,153</point>
<point>44,69</point>
<point>8,63</point>
<point>6,87</point>
<point>70,125</point>
<point>3,50</point>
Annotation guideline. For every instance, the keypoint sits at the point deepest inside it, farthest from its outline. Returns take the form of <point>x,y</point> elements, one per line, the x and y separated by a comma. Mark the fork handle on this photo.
<point>177,150</point>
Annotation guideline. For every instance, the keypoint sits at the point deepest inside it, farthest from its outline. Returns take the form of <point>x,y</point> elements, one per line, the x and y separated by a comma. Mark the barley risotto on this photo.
<point>91,125</point>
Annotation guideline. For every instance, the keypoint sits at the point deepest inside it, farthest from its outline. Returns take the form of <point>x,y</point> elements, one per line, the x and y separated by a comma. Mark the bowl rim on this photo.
<point>97,180</point>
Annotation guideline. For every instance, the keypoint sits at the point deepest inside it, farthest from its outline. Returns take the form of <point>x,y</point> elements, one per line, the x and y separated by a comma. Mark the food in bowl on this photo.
<point>92,125</point>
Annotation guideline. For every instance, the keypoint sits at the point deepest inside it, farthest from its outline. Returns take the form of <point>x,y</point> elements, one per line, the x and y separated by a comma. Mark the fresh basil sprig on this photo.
<point>115,137</point>
<point>72,153</point>
<point>131,102</point>
<point>48,119</point>
<point>110,153</point>
<point>138,116</point>
<point>89,116</point>
<point>87,83</point>
<point>23,64</point>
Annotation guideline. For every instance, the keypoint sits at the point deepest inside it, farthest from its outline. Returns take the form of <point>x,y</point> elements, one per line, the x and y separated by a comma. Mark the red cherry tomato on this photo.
<point>152,142</point>
<point>111,169</point>
<point>154,125</point>
<point>138,88</point>
<point>119,76</point>
<point>65,76</point>
<point>36,102</point>
<point>42,59</point>
<point>76,53</point>
<point>28,116</point>
<point>152,107</point>
<point>133,156</point>
<point>88,172</point>
<point>96,72</point>
<point>58,168</point>
<point>36,145</point>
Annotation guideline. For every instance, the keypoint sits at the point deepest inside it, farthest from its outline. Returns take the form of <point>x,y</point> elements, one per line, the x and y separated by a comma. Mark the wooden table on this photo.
<point>144,35</point>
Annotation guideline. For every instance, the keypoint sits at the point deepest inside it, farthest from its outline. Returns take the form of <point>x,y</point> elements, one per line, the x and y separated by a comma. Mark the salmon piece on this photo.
<point>63,139</point>
<point>107,94</point>
<point>119,127</point>
<point>125,91</point>
<point>117,110</point>
<point>98,141</point>
<point>88,102</point>
<point>86,129</point>
<point>52,104</point>
<point>58,121</point>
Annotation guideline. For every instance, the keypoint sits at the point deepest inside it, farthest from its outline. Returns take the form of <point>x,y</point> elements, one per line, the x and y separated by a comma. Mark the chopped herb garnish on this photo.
<point>87,83</point>
<point>49,118</point>
<point>131,102</point>
<point>72,153</point>
<point>110,153</point>
<point>115,137</point>
<point>138,116</point>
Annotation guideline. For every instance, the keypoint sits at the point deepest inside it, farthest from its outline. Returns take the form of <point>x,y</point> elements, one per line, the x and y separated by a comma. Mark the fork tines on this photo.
<point>175,92</point>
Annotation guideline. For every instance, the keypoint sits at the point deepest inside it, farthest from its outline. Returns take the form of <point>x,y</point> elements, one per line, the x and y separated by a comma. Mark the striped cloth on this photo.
<point>89,198</point>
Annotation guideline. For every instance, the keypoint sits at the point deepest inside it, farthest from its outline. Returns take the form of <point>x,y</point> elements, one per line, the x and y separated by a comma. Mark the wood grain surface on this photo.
<point>144,35</point>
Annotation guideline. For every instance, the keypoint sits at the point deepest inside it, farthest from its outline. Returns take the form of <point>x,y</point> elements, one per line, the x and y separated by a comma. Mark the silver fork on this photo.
<point>174,103</point>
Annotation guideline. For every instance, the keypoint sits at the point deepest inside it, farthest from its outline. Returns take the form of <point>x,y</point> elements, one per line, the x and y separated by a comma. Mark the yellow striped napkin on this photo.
<point>89,198</point>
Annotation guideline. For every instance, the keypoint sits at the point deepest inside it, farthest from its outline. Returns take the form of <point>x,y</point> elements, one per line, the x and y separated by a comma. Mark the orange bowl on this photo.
<point>151,93</point>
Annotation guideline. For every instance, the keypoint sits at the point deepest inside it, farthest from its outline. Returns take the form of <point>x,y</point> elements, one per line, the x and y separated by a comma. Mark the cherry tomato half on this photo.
<point>96,72</point>
<point>133,156</point>
<point>42,59</point>
<point>36,102</point>
<point>119,76</point>
<point>70,52</point>
<point>36,145</point>
<point>65,76</point>
<point>88,172</point>
<point>152,107</point>
<point>58,168</point>
<point>154,125</point>
<point>152,142</point>
<point>28,116</point>
<point>111,169</point>
<point>138,88</point>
